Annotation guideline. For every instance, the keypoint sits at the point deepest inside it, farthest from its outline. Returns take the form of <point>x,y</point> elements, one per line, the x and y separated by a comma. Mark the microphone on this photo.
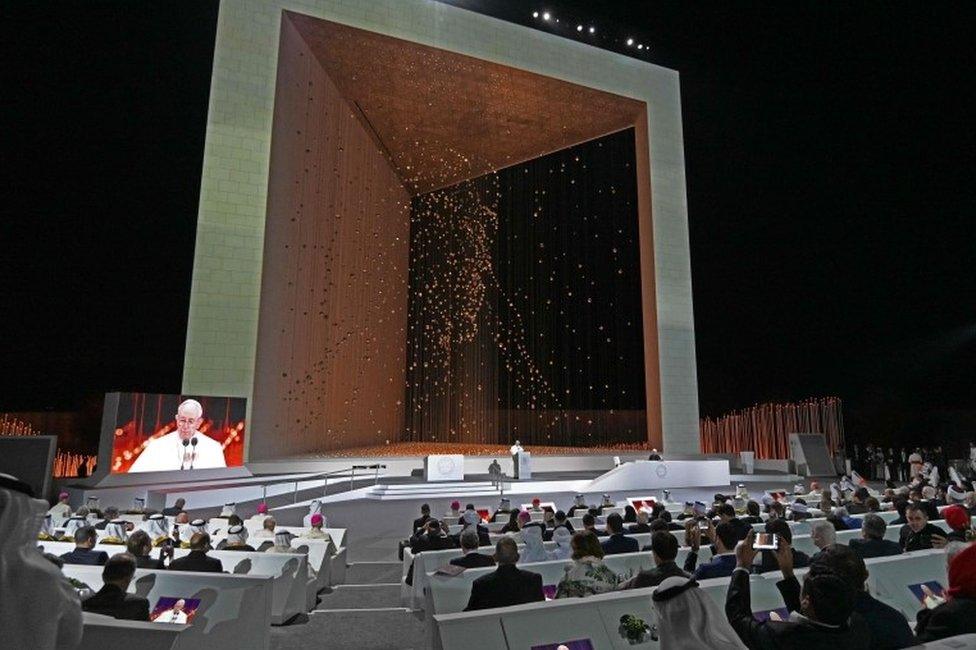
<point>183,462</point>
<point>193,456</point>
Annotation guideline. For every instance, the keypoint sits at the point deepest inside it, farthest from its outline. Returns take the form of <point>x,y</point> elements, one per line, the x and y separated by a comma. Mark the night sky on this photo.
<point>829,156</point>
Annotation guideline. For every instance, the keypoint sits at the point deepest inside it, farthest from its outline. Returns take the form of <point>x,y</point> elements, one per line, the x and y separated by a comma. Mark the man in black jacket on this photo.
<point>422,520</point>
<point>872,542</point>
<point>820,616</point>
<point>85,538</point>
<point>140,548</point>
<point>889,628</point>
<point>618,542</point>
<point>917,533</point>
<point>197,559</point>
<point>726,515</point>
<point>175,509</point>
<point>112,599</point>
<point>471,559</point>
<point>507,585</point>
<point>768,558</point>
<point>664,550</point>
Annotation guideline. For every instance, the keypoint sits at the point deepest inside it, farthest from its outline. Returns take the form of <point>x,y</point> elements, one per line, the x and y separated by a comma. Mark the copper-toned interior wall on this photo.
<point>329,372</point>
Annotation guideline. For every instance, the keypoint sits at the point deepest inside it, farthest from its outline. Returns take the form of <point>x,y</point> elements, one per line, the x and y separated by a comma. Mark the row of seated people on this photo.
<point>832,610</point>
<point>141,542</point>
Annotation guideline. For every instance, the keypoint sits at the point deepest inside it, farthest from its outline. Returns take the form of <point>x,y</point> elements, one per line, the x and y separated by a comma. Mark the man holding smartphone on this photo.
<point>917,534</point>
<point>723,539</point>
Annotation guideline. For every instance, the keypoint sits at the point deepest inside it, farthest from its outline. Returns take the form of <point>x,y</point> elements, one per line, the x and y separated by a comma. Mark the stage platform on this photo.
<point>287,484</point>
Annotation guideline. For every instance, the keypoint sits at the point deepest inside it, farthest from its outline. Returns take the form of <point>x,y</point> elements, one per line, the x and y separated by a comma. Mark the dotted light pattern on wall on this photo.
<point>525,313</point>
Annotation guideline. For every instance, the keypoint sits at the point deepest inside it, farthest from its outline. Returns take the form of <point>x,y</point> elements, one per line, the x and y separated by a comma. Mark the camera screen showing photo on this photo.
<point>765,541</point>
<point>931,594</point>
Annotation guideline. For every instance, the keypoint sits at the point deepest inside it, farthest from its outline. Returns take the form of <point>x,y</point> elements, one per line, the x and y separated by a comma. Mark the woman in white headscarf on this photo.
<point>314,508</point>
<point>114,532</point>
<point>534,550</point>
<point>38,607</point>
<point>689,619</point>
<point>157,527</point>
<point>564,544</point>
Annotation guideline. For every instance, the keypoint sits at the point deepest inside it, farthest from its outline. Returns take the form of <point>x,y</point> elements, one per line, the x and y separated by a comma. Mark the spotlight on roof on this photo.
<point>579,28</point>
<point>640,46</point>
<point>630,41</point>
<point>592,30</point>
<point>546,16</point>
<point>535,14</point>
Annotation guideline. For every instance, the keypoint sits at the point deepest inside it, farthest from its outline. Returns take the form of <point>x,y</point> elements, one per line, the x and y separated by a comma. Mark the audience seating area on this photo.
<point>561,620</point>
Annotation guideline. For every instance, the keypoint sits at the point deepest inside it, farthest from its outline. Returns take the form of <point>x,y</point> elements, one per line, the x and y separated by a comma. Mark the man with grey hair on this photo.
<point>471,559</point>
<point>183,448</point>
<point>822,534</point>
<point>507,585</point>
<point>873,542</point>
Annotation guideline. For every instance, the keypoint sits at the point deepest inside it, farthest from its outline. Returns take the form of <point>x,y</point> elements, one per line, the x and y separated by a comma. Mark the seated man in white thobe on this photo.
<point>182,449</point>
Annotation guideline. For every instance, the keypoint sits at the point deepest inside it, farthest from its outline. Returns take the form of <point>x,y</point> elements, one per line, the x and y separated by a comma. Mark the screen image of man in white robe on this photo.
<point>182,449</point>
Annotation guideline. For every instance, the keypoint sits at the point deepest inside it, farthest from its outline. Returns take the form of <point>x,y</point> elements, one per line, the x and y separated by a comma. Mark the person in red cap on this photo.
<point>957,615</point>
<point>61,510</point>
<point>958,521</point>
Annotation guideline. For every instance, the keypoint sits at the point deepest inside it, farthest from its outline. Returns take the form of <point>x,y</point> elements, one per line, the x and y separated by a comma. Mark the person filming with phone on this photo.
<point>723,539</point>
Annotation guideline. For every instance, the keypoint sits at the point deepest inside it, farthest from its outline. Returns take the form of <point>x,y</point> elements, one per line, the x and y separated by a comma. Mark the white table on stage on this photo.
<point>444,467</point>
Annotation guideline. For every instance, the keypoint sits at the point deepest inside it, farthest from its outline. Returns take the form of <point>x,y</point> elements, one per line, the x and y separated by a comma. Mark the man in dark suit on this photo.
<point>917,534</point>
<point>108,515</point>
<point>112,599</point>
<point>767,560</point>
<point>821,618</point>
<point>872,542</point>
<point>422,520</point>
<point>197,559</point>
<point>471,559</point>
<point>175,509</point>
<point>507,585</point>
<point>664,550</point>
<point>723,557</point>
<point>889,628</point>
<point>618,542</point>
<point>589,523</point>
<point>85,538</point>
<point>433,538</point>
<point>857,506</point>
<point>726,515</point>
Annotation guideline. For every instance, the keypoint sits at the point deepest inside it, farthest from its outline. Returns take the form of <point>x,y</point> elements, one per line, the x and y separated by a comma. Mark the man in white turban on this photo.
<point>157,527</point>
<point>47,533</point>
<point>237,539</point>
<point>187,532</point>
<point>71,527</point>
<point>689,619</point>
<point>38,608</point>
<point>184,448</point>
<point>282,543</point>
<point>114,532</point>
<point>228,510</point>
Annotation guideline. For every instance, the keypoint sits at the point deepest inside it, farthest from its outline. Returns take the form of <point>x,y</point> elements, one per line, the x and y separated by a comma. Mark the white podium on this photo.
<point>444,467</point>
<point>522,462</point>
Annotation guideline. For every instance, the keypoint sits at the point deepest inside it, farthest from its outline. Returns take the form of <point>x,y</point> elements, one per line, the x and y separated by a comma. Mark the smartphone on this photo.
<point>766,541</point>
<point>703,524</point>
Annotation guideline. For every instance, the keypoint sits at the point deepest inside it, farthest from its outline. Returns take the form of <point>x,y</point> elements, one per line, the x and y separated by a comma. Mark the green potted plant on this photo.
<point>633,628</point>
